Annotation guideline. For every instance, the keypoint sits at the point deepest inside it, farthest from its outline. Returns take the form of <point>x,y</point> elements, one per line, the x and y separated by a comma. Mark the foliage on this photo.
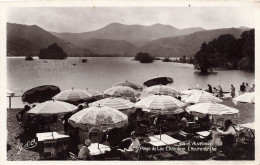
<point>227,52</point>
<point>52,52</point>
<point>144,57</point>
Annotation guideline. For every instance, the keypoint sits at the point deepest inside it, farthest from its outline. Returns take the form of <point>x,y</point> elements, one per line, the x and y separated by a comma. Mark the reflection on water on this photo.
<point>101,73</point>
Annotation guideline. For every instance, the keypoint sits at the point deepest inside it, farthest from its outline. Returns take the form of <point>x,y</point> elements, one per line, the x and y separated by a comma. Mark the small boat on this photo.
<point>29,58</point>
<point>158,81</point>
<point>84,60</point>
<point>74,64</point>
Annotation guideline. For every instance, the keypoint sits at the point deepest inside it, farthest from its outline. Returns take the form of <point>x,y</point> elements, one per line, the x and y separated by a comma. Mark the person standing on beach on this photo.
<point>242,88</point>
<point>210,88</point>
<point>220,91</point>
<point>233,91</point>
<point>247,87</point>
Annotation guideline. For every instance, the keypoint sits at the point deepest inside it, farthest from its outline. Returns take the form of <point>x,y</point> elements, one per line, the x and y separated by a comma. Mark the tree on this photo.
<point>144,57</point>
<point>202,59</point>
<point>52,52</point>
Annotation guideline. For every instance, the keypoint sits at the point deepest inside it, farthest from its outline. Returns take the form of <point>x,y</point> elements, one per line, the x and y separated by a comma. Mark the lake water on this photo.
<point>100,73</point>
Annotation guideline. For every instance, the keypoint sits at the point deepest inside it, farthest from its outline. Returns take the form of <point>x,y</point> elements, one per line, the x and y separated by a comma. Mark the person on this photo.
<point>210,88</point>
<point>247,87</point>
<point>242,88</point>
<point>229,133</point>
<point>21,116</point>
<point>204,119</point>
<point>233,91</point>
<point>252,89</point>
<point>84,152</point>
<point>129,153</point>
<point>220,91</point>
<point>215,91</point>
<point>80,107</point>
<point>184,125</point>
<point>216,140</point>
<point>65,119</point>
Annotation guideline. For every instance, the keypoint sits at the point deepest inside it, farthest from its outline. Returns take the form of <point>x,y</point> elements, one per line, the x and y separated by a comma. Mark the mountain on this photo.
<point>24,40</point>
<point>185,45</point>
<point>108,46</point>
<point>135,34</point>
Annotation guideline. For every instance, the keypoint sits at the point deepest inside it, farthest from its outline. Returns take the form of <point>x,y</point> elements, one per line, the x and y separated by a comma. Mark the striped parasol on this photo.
<point>130,84</point>
<point>96,94</point>
<point>202,98</point>
<point>212,109</point>
<point>52,107</point>
<point>161,104</point>
<point>245,98</point>
<point>73,95</point>
<point>162,89</point>
<point>116,103</point>
<point>120,91</point>
<point>101,117</point>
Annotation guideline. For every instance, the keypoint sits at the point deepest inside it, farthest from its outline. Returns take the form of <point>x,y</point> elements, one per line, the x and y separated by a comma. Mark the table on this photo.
<point>164,140</point>
<point>94,150</point>
<point>203,133</point>
<point>50,136</point>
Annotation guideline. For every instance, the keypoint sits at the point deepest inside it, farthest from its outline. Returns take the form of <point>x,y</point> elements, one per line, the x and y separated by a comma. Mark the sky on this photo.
<point>83,19</point>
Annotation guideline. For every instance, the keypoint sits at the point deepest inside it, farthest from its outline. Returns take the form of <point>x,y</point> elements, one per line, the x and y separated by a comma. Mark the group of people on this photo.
<point>218,91</point>
<point>126,153</point>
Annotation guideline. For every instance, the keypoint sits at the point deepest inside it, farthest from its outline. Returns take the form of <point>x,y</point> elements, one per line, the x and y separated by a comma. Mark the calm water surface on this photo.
<point>101,73</point>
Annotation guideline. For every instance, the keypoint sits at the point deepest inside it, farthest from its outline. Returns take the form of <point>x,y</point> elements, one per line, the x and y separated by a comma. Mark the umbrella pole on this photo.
<point>160,131</point>
<point>98,139</point>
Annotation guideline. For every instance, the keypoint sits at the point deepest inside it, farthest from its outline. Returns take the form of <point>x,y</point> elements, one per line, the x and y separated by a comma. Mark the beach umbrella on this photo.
<point>162,89</point>
<point>130,84</point>
<point>52,107</point>
<point>212,109</point>
<point>202,98</point>
<point>245,98</point>
<point>158,81</point>
<point>74,95</point>
<point>120,91</point>
<point>116,103</point>
<point>40,94</point>
<point>161,104</point>
<point>100,117</point>
<point>96,94</point>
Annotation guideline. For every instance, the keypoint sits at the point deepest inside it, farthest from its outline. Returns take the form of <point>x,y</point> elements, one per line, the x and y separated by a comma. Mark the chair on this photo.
<point>184,135</point>
<point>140,131</point>
<point>220,120</point>
<point>180,154</point>
<point>50,148</point>
<point>72,156</point>
<point>195,128</point>
<point>205,126</point>
<point>150,131</point>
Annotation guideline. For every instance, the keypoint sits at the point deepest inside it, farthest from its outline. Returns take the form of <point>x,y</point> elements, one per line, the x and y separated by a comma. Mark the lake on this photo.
<point>100,73</point>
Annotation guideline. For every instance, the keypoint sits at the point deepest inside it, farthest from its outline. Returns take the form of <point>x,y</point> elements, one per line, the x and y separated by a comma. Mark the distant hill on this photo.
<point>135,34</point>
<point>107,46</point>
<point>24,40</point>
<point>186,45</point>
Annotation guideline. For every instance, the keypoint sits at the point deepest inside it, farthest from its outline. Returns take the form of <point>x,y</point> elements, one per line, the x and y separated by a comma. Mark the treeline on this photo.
<point>182,59</point>
<point>227,52</point>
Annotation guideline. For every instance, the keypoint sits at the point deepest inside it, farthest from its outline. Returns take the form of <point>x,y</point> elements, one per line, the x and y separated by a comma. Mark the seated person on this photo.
<point>84,152</point>
<point>229,133</point>
<point>113,152</point>
<point>185,125</point>
<point>129,153</point>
